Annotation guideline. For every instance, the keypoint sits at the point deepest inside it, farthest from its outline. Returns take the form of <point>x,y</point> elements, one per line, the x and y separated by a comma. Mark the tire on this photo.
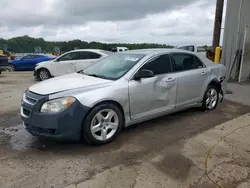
<point>12,68</point>
<point>211,98</point>
<point>43,74</point>
<point>102,124</point>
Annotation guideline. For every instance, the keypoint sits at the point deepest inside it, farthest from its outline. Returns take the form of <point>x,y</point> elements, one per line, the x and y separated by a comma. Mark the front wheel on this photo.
<point>211,98</point>
<point>43,74</point>
<point>102,124</point>
<point>12,68</point>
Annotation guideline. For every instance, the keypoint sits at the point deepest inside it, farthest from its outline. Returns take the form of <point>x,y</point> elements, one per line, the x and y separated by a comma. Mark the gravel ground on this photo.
<point>28,162</point>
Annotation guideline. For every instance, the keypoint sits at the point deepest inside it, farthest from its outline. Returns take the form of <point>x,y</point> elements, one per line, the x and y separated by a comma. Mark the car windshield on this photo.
<point>113,67</point>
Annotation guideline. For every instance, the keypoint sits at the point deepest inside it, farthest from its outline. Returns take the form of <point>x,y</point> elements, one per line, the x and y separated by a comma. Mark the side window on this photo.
<point>69,56</point>
<point>88,55</point>
<point>160,65</point>
<point>29,57</point>
<point>36,56</point>
<point>198,63</point>
<point>183,62</point>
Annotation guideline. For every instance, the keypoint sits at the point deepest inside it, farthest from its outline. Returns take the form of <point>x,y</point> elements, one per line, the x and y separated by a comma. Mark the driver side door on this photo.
<point>27,62</point>
<point>65,64</point>
<point>152,96</point>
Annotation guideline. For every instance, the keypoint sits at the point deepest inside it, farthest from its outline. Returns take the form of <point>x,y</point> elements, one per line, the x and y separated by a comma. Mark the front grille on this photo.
<point>31,100</point>
<point>32,103</point>
<point>26,112</point>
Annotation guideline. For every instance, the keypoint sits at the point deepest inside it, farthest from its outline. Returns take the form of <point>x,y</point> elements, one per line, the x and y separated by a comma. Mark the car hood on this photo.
<point>67,82</point>
<point>45,62</point>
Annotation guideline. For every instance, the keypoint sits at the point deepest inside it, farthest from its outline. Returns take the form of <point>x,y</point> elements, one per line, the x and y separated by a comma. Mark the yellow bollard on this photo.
<point>217,54</point>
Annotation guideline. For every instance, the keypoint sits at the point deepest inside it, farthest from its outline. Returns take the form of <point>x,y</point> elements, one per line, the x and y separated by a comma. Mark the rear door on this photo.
<point>151,96</point>
<point>192,77</point>
<point>85,59</point>
<point>64,64</point>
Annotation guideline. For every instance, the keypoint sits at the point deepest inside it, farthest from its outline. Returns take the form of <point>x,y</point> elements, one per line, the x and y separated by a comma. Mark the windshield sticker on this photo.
<point>131,59</point>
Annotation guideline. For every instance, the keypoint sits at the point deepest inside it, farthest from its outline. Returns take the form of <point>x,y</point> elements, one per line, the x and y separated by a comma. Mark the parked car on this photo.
<point>193,48</point>
<point>29,62</point>
<point>119,49</point>
<point>121,90</point>
<point>4,63</point>
<point>70,62</point>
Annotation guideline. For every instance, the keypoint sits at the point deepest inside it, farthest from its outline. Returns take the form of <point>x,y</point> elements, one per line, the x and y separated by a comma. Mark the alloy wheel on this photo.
<point>212,98</point>
<point>104,124</point>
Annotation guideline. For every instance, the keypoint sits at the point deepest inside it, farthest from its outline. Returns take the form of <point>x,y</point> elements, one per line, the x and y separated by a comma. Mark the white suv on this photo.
<point>69,62</point>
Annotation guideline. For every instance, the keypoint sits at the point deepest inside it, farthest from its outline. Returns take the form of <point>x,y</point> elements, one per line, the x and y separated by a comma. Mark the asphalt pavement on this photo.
<point>140,151</point>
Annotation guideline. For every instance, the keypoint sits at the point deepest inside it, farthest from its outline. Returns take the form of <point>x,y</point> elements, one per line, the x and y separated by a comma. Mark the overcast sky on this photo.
<point>160,21</point>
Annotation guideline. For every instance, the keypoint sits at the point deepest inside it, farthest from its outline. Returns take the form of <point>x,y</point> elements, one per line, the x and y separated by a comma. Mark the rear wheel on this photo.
<point>102,124</point>
<point>211,98</point>
<point>43,74</point>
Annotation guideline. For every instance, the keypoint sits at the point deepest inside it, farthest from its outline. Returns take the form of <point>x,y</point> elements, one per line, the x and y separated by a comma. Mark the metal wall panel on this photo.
<point>245,60</point>
<point>237,17</point>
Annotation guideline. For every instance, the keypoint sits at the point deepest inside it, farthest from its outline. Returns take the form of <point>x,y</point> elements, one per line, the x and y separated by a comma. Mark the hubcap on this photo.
<point>44,75</point>
<point>104,124</point>
<point>212,97</point>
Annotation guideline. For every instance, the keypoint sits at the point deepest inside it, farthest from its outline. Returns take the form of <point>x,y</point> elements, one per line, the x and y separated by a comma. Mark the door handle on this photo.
<point>203,73</point>
<point>169,79</point>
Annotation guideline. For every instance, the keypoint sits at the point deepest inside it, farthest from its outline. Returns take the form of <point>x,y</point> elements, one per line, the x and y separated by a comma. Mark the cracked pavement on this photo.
<point>229,164</point>
<point>165,152</point>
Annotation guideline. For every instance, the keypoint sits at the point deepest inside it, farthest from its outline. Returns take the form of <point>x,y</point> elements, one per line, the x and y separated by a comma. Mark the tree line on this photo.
<point>26,44</point>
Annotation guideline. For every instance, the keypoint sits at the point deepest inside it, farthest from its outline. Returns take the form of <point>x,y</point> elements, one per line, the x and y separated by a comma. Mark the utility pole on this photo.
<point>217,24</point>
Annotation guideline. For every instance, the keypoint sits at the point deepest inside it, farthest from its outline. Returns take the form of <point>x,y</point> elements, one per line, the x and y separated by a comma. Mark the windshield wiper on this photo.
<point>80,71</point>
<point>97,76</point>
<point>94,75</point>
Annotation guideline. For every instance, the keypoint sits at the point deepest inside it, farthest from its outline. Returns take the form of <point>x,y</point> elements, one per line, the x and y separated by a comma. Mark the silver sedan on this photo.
<point>120,90</point>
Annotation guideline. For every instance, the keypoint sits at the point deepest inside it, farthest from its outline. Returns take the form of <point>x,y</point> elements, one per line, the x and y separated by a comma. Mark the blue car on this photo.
<point>29,62</point>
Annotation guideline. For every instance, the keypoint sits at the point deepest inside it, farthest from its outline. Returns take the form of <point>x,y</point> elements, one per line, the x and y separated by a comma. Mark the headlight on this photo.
<point>57,105</point>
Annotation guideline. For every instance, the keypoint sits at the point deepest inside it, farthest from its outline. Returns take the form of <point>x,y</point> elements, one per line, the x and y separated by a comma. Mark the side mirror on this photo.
<point>144,73</point>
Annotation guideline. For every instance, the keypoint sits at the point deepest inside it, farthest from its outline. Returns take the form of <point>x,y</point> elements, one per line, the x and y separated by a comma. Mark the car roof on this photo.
<point>154,51</point>
<point>88,50</point>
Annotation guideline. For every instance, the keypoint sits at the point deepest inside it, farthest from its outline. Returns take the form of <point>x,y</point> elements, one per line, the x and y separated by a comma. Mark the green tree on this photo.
<point>26,44</point>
